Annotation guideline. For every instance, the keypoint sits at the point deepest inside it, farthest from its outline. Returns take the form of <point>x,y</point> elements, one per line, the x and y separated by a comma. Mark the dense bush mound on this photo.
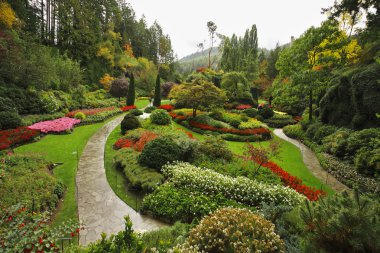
<point>159,152</point>
<point>279,121</point>
<point>25,179</point>
<point>233,230</point>
<point>129,122</point>
<point>9,120</point>
<point>138,176</point>
<point>160,117</point>
<point>150,109</point>
<point>354,100</point>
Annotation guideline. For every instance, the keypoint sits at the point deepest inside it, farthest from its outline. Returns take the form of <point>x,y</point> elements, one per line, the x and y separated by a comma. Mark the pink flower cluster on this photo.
<point>57,125</point>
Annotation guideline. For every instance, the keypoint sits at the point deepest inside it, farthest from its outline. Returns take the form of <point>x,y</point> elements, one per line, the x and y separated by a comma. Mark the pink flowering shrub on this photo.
<point>56,126</point>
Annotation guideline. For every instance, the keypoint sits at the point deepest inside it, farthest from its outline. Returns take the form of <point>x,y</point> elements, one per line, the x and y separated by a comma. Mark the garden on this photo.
<point>109,143</point>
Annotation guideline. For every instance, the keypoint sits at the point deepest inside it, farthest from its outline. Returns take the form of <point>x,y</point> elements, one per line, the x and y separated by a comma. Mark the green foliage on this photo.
<point>294,131</point>
<point>159,152</point>
<point>251,112</point>
<point>27,180</point>
<point>150,109</point>
<point>214,148</point>
<point>80,115</point>
<point>233,230</point>
<point>237,88</point>
<point>160,117</point>
<point>336,143</point>
<point>173,204</point>
<point>9,120</point>
<point>131,91</point>
<point>280,121</point>
<point>129,122</point>
<point>266,112</point>
<point>342,223</point>
<point>136,112</point>
<point>31,119</point>
<point>138,176</point>
<point>119,87</point>
<point>157,92</point>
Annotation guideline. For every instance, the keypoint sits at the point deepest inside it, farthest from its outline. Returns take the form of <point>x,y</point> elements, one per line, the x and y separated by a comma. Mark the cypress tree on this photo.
<point>157,92</point>
<point>131,91</point>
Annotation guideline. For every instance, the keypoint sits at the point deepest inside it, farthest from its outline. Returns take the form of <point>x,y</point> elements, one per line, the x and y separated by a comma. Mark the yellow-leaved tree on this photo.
<point>7,15</point>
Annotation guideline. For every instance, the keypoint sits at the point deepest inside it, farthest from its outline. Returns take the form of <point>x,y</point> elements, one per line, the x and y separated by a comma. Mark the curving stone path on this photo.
<point>312,163</point>
<point>99,207</point>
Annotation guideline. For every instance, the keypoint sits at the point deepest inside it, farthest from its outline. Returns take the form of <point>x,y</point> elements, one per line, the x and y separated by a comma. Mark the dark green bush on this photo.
<point>367,160</point>
<point>150,109</point>
<point>159,152</point>
<point>363,138</point>
<point>9,120</point>
<point>136,112</point>
<point>294,131</point>
<point>280,121</point>
<point>266,112</point>
<point>322,132</point>
<point>251,112</point>
<point>217,115</point>
<point>336,143</point>
<point>129,122</point>
<point>242,138</point>
<point>160,117</point>
<point>235,123</point>
<point>342,223</point>
<point>138,176</point>
<point>312,130</point>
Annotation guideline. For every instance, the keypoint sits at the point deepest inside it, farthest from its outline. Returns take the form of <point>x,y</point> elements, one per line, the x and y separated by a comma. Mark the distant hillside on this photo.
<point>199,59</point>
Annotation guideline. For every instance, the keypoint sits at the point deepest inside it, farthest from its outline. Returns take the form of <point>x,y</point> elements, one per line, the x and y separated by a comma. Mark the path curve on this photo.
<point>312,163</point>
<point>99,208</point>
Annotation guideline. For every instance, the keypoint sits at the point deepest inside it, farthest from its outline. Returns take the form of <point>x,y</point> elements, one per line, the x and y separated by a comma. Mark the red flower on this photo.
<point>41,241</point>
<point>72,234</point>
<point>128,107</point>
<point>243,107</point>
<point>166,107</point>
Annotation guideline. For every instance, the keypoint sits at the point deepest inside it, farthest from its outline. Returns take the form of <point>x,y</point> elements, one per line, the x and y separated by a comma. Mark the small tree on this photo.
<point>157,92</point>
<point>198,95</point>
<point>261,155</point>
<point>119,88</point>
<point>131,91</point>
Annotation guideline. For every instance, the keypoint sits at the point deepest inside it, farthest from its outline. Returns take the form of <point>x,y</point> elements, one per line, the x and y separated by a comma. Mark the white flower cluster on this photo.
<point>240,189</point>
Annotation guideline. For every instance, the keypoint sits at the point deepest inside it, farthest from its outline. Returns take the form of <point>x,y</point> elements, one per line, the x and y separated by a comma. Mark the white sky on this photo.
<point>276,20</point>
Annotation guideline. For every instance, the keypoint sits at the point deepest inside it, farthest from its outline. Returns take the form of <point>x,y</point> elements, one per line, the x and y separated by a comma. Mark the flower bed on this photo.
<point>11,137</point>
<point>55,126</point>
<point>89,112</point>
<point>243,107</point>
<point>256,131</point>
<point>294,182</point>
<point>166,107</point>
<point>240,189</point>
<point>137,145</point>
<point>128,107</point>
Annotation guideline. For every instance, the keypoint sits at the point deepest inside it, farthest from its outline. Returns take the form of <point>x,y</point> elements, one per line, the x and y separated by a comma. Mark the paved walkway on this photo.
<point>99,208</point>
<point>312,163</point>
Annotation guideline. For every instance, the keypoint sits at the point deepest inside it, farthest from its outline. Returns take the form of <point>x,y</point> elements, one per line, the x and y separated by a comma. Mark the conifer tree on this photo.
<point>131,91</point>
<point>157,92</point>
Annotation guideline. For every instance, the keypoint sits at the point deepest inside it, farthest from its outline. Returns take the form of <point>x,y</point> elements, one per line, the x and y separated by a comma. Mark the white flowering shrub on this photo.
<point>233,230</point>
<point>240,189</point>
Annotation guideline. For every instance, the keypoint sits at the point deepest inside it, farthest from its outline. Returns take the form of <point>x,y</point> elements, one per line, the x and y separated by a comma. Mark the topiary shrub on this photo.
<point>136,112</point>
<point>129,122</point>
<point>80,115</point>
<point>233,230</point>
<point>159,152</point>
<point>9,120</point>
<point>215,147</point>
<point>160,117</point>
<point>266,112</point>
<point>150,109</point>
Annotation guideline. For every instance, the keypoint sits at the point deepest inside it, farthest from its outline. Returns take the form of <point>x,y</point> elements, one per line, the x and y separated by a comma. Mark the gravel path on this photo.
<point>99,207</point>
<point>312,163</point>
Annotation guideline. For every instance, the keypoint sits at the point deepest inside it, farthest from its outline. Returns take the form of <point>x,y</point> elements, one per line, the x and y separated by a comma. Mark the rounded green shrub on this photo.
<point>215,148</point>
<point>322,132</point>
<point>159,152</point>
<point>80,115</point>
<point>136,112</point>
<point>160,117</point>
<point>129,122</point>
<point>150,109</point>
<point>9,120</point>
<point>336,143</point>
<point>266,112</point>
<point>233,230</point>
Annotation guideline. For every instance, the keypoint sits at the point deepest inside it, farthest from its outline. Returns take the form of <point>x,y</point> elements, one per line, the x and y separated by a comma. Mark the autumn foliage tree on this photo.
<point>198,95</point>
<point>119,88</point>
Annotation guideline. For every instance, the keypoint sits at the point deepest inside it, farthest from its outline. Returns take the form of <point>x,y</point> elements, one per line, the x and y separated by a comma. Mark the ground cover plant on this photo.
<point>61,125</point>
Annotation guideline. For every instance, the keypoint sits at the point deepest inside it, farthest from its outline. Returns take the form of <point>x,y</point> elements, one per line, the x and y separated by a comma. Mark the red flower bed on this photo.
<point>176,116</point>
<point>243,107</point>
<point>88,112</point>
<point>139,145</point>
<point>254,131</point>
<point>11,137</point>
<point>128,107</point>
<point>294,182</point>
<point>166,107</point>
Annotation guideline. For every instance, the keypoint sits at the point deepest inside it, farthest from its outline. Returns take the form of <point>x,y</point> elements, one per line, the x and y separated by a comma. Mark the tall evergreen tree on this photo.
<point>131,91</point>
<point>157,92</point>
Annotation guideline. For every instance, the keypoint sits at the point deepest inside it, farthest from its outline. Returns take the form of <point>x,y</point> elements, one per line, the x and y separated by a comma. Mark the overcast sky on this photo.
<point>276,20</point>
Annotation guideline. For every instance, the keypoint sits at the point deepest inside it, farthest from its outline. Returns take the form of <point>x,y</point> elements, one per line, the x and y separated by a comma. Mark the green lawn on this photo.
<point>141,103</point>
<point>290,160</point>
<point>62,149</point>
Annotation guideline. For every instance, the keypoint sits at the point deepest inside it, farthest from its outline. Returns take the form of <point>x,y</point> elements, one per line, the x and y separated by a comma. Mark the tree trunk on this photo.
<point>311,105</point>
<point>194,112</point>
